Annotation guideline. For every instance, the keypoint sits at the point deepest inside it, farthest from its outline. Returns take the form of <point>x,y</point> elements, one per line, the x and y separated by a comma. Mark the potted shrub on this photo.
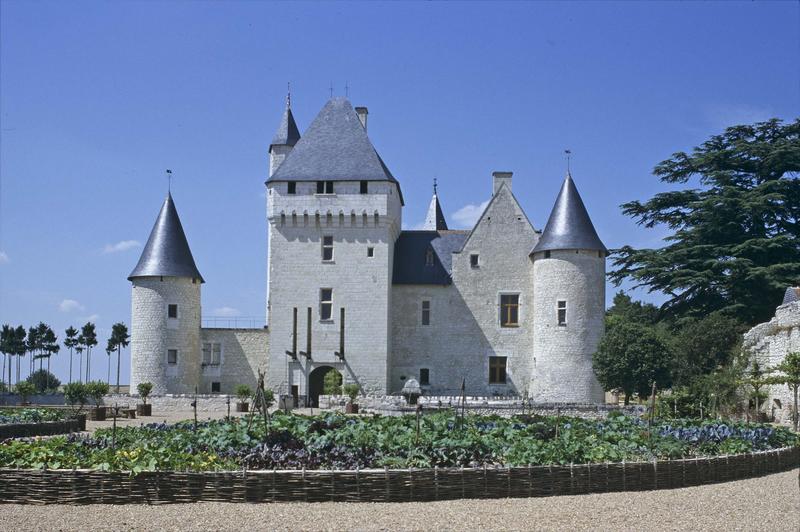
<point>24,389</point>
<point>75,395</point>
<point>144,389</point>
<point>96,390</point>
<point>243,393</point>
<point>351,391</point>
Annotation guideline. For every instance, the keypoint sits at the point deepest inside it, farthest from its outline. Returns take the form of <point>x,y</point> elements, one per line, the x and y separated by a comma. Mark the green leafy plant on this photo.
<point>351,390</point>
<point>75,394</point>
<point>25,389</point>
<point>144,389</point>
<point>243,392</point>
<point>96,390</point>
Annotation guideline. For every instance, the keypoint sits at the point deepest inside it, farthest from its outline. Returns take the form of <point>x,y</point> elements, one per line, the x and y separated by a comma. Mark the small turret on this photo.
<point>435,221</point>
<point>285,138</point>
<point>165,309</point>
<point>569,303</point>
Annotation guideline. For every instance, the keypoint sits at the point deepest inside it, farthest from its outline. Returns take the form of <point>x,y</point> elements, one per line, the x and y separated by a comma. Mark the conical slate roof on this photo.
<point>287,133</point>
<point>167,251</point>
<point>792,294</point>
<point>334,148</point>
<point>569,225</point>
<point>435,221</point>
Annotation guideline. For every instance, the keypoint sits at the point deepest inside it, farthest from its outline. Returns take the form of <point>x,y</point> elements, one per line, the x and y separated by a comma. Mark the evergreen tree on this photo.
<point>119,339</point>
<point>735,241</point>
<point>7,348</point>
<point>89,336</point>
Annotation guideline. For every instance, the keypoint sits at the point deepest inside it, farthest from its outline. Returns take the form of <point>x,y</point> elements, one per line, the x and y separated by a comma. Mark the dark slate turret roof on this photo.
<point>434,221</point>
<point>569,225</point>
<point>287,133</point>
<point>791,295</point>
<point>410,253</point>
<point>167,251</point>
<point>334,148</point>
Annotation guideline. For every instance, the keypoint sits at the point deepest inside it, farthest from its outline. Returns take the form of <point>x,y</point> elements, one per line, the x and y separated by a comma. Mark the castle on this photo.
<point>501,309</point>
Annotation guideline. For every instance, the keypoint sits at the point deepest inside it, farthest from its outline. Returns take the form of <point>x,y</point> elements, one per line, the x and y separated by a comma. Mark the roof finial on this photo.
<point>434,186</point>
<point>169,181</point>
<point>347,89</point>
<point>331,89</point>
<point>288,94</point>
<point>568,154</point>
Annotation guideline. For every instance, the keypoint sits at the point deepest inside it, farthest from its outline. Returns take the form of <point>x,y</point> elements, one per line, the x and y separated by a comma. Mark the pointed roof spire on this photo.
<point>435,221</point>
<point>569,225</point>
<point>167,251</point>
<point>287,133</point>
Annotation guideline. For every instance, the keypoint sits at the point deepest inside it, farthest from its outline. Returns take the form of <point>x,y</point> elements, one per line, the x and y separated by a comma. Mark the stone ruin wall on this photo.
<point>769,343</point>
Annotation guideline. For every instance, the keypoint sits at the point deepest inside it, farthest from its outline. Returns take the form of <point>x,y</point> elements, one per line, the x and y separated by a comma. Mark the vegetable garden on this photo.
<point>338,442</point>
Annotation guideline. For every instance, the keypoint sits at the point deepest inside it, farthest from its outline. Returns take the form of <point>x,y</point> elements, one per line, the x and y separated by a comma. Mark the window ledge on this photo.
<point>326,321</point>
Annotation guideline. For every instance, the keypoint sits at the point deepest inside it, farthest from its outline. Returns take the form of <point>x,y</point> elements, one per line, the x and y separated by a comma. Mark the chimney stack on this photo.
<point>362,115</point>
<point>498,178</point>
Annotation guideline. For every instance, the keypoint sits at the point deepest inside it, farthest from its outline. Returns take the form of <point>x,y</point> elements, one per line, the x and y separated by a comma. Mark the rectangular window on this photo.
<point>327,248</point>
<point>212,354</point>
<point>424,376</point>
<point>429,258</point>
<point>562,313</point>
<point>497,370</point>
<point>426,312</point>
<point>172,356</point>
<point>547,254</point>
<point>292,187</point>
<point>473,260</point>
<point>509,310</point>
<point>370,252</point>
<point>324,187</point>
<point>364,187</point>
<point>325,303</point>
<point>172,311</point>
<point>215,387</point>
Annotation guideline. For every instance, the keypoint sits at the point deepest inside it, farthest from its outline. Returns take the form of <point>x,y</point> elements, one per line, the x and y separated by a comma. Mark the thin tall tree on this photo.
<point>7,348</point>
<point>20,346</point>
<point>49,348</point>
<point>119,339</point>
<point>70,341</point>
<point>79,347</point>
<point>109,349</point>
<point>89,341</point>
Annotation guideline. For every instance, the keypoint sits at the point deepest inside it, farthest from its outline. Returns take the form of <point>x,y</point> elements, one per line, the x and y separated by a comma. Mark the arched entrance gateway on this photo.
<point>320,382</point>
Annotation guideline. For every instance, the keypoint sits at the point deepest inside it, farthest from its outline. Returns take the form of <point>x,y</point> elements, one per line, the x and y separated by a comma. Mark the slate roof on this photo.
<point>410,254</point>
<point>434,221</point>
<point>167,251</point>
<point>334,148</point>
<point>791,295</point>
<point>287,133</point>
<point>569,225</point>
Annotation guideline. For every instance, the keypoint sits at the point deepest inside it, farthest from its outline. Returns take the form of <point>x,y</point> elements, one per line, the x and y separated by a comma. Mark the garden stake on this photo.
<point>228,402</point>
<point>194,406</point>
<point>114,429</point>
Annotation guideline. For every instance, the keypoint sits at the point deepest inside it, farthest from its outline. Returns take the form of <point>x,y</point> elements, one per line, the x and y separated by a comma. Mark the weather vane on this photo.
<point>169,180</point>
<point>568,154</point>
<point>288,94</point>
<point>331,89</point>
<point>347,89</point>
<point>434,185</point>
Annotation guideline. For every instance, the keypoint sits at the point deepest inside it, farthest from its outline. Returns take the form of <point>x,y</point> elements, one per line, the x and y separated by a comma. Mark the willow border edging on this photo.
<point>25,486</point>
<point>45,428</point>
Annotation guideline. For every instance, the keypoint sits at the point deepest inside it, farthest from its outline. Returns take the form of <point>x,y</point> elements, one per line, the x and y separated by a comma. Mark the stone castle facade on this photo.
<point>501,309</point>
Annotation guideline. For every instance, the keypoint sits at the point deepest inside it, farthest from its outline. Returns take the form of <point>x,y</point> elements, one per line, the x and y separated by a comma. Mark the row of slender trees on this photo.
<point>41,343</point>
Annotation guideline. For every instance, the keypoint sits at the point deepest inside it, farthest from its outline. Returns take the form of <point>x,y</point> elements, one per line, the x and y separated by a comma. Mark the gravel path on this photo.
<point>767,503</point>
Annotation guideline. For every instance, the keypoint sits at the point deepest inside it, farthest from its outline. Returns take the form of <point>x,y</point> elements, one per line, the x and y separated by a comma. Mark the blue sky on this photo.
<point>98,99</point>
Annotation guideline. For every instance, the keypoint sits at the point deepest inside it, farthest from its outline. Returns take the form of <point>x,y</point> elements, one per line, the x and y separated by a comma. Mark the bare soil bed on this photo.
<point>766,503</point>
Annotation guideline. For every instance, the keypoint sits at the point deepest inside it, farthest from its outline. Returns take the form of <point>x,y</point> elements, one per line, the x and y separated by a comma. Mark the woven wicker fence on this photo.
<point>46,428</point>
<point>382,485</point>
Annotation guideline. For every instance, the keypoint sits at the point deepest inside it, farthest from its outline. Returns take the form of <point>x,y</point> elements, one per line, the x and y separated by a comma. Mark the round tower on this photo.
<point>165,309</point>
<point>569,266</point>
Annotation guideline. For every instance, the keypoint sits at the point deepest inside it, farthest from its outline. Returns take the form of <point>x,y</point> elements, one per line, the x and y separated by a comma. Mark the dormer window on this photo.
<point>324,187</point>
<point>429,258</point>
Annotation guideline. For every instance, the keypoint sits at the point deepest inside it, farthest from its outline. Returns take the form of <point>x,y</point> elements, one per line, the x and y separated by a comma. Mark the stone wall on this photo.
<point>769,343</point>
<point>244,352</point>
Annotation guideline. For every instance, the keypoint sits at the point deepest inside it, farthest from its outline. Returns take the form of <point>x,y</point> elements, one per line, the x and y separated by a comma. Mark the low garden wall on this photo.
<point>383,485</point>
<point>45,428</point>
